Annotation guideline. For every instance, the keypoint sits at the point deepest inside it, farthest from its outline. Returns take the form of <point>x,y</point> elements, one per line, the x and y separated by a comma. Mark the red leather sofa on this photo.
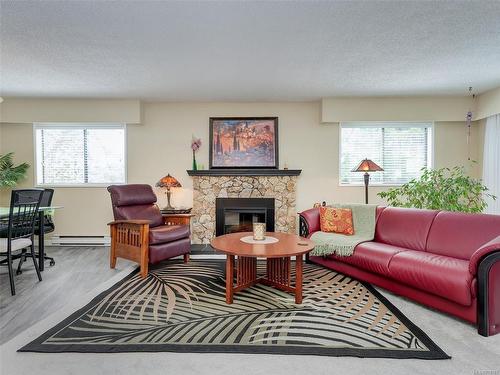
<point>447,260</point>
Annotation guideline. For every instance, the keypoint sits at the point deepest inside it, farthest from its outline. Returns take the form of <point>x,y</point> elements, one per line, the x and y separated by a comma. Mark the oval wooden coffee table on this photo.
<point>278,257</point>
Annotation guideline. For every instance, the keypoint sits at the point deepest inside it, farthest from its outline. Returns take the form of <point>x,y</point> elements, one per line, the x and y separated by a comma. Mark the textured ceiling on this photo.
<point>247,50</point>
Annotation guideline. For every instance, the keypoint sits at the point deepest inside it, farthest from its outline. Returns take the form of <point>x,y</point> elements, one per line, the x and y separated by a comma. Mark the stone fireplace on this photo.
<point>207,187</point>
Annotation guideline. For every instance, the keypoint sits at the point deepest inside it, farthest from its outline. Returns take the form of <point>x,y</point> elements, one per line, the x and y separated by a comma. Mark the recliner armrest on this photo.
<point>137,222</point>
<point>479,254</point>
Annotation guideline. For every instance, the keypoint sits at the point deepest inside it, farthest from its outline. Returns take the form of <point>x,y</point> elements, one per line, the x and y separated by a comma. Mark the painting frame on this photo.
<point>213,120</point>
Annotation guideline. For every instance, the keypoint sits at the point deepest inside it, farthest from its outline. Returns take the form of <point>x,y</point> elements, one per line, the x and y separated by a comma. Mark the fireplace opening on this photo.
<point>241,220</point>
<point>238,214</point>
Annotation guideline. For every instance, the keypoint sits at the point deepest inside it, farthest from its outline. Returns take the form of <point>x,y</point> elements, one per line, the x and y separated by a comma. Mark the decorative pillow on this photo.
<point>337,220</point>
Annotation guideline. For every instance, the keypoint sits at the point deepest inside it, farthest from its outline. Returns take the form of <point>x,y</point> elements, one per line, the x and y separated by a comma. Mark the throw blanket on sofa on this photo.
<point>363,217</point>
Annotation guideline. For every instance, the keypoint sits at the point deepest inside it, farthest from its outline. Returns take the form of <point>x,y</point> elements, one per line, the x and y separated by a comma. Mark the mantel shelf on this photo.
<point>245,172</point>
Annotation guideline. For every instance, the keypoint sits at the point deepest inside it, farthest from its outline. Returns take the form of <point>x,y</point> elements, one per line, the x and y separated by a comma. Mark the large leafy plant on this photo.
<point>11,174</point>
<point>450,189</point>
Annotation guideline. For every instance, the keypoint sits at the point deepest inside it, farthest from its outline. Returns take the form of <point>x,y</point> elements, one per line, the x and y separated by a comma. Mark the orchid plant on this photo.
<point>195,146</point>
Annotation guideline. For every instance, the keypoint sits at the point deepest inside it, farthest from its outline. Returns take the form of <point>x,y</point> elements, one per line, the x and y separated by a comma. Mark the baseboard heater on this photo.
<point>79,241</point>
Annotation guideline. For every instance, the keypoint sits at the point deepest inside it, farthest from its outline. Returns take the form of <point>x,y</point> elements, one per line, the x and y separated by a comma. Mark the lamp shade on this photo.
<point>366,165</point>
<point>168,182</point>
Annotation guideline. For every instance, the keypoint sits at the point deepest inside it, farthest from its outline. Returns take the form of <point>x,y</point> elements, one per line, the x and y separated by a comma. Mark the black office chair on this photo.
<point>23,211</point>
<point>47,228</point>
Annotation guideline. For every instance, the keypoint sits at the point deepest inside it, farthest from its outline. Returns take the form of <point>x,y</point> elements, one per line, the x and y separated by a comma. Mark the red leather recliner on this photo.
<point>139,232</point>
<point>447,260</point>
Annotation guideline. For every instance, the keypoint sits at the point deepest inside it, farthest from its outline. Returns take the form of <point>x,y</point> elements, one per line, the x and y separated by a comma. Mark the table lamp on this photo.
<point>168,182</point>
<point>366,165</point>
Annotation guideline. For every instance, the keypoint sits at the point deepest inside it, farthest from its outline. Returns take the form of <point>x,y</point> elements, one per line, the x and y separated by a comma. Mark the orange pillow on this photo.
<point>337,220</point>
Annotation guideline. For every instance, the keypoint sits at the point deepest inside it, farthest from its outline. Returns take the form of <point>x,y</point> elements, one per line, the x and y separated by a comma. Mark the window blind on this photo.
<point>401,149</point>
<point>76,154</point>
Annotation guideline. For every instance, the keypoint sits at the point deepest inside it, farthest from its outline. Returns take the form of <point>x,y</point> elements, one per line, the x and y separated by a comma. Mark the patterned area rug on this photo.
<point>180,307</point>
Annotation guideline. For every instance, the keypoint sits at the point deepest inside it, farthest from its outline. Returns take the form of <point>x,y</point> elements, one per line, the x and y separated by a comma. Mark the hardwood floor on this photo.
<point>78,270</point>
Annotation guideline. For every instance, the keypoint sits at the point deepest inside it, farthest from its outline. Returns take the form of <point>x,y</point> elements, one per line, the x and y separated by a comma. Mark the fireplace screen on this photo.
<point>242,221</point>
<point>239,214</point>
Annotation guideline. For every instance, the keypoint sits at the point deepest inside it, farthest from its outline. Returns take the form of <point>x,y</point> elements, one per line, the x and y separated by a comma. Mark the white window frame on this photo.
<point>378,124</point>
<point>78,125</point>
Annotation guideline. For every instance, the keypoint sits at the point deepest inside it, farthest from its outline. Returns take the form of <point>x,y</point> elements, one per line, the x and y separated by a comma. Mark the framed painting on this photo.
<point>243,142</point>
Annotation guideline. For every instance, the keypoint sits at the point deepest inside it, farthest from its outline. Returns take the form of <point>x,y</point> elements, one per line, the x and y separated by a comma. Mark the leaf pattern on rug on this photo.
<point>182,305</point>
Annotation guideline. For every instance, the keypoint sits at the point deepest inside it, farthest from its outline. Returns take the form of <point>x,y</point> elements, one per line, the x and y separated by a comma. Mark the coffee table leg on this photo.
<point>298,279</point>
<point>229,278</point>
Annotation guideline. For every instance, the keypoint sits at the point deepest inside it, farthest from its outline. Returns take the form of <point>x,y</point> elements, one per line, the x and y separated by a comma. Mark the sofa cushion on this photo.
<point>437,274</point>
<point>371,256</point>
<point>336,220</point>
<point>17,244</point>
<point>404,227</point>
<point>379,211</point>
<point>168,233</point>
<point>459,235</point>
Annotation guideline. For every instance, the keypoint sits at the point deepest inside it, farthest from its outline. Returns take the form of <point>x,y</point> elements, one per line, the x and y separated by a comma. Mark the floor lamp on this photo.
<point>366,165</point>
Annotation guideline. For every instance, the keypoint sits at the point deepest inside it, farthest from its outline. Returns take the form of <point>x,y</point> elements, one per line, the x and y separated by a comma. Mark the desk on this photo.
<point>42,211</point>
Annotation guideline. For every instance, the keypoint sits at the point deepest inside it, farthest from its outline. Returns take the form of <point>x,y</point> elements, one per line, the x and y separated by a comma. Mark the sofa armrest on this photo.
<point>479,254</point>
<point>488,296</point>
<point>309,222</point>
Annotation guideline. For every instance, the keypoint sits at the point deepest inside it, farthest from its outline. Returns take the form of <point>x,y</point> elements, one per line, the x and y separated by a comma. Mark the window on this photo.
<point>80,154</point>
<point>401,149</point>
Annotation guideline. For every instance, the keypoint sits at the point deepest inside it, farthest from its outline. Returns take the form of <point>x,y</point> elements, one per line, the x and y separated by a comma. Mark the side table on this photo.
<point>177,219</point>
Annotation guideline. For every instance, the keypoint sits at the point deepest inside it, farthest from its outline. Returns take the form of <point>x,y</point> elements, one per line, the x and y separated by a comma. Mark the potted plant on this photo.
<point>10,174</point>
<point>449,189</point>
<point>195,146</point>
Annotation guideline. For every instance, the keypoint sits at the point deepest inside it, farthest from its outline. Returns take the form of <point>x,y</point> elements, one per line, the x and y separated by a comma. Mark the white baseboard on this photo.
<point>78,241</point>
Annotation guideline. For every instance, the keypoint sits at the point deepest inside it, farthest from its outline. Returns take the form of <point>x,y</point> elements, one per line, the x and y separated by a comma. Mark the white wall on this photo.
<point>161,145</point>
<point>428,108</point>
<point>488,104</point>
<point>26,110</point>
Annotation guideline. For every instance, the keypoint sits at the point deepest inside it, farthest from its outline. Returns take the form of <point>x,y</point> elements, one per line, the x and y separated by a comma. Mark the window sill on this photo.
<point>78,185</point>
<point>371,185</point>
